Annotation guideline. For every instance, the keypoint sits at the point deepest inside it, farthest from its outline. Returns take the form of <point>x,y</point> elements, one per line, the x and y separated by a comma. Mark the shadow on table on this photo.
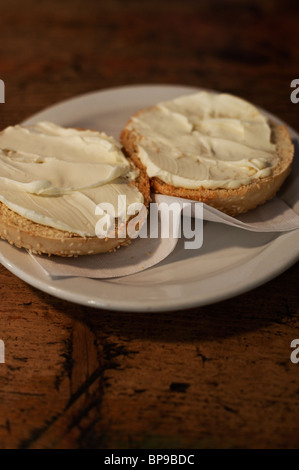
<point>275,302</point>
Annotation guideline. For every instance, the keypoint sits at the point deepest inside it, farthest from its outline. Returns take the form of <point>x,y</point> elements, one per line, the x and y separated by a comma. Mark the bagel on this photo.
<point>38,232</point>
<point>196,132</point>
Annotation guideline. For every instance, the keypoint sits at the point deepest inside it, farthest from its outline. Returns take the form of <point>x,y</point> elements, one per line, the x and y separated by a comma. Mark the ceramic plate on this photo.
<point>231,261</point>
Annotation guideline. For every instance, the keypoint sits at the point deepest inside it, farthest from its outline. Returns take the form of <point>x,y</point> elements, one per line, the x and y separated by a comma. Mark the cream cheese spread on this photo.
<point>204,140</point>
<point>57,176</point>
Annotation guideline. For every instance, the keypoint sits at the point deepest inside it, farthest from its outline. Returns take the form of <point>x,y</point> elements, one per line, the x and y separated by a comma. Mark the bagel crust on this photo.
<point>230,201</point>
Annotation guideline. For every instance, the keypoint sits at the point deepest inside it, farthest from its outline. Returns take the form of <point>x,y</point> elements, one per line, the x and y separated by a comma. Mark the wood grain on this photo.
<point>213,377</point>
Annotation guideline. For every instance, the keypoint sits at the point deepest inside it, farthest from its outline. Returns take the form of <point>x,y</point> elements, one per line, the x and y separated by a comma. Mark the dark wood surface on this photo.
<point>216,376</point>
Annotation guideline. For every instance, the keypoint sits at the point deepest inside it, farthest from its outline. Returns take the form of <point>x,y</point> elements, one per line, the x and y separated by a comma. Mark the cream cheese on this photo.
<point>205,140</point>
<point>57,176</point>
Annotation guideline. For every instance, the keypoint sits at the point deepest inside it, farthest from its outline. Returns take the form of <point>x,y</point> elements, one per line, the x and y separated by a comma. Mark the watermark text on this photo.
<point>174,220</point>
<point>2,91</point>
<point>2,352</point>
<point>295,354</point>
<point>295,93</point>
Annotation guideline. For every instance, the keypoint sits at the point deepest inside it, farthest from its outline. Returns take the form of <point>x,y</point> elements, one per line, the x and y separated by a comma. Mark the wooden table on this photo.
<point>216,376</point>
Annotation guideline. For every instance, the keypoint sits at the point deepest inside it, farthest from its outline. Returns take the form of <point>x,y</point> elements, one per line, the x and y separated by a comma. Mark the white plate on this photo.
<point>231,261</point>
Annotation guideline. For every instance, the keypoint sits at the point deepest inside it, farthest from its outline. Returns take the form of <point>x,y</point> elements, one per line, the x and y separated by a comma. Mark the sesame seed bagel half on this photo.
<point>230,200</point>
<point>41,239</point>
